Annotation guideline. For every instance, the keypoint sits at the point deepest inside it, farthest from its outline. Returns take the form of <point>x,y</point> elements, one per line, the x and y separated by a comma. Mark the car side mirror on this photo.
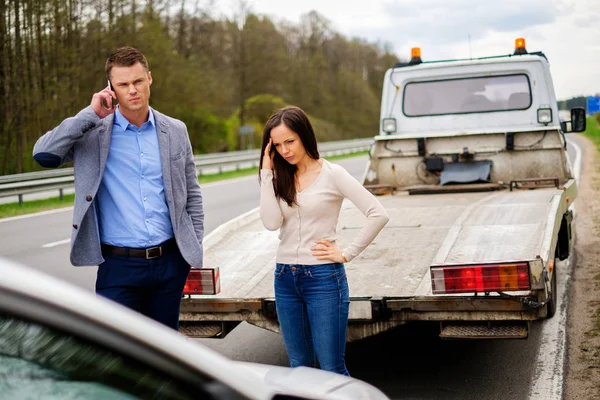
<point>578,120</point>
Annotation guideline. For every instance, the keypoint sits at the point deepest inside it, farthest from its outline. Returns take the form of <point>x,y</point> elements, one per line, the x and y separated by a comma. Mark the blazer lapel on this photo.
<point>164,147</point>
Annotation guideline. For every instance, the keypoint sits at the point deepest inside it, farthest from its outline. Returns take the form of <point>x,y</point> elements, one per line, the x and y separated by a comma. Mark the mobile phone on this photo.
<point>114,99</point>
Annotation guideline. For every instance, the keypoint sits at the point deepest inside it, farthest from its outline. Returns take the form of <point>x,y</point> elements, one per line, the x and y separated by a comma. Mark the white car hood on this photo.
<point>311,383</point>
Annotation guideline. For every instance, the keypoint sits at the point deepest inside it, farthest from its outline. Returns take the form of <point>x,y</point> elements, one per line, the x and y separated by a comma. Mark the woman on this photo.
<point>301,194</point>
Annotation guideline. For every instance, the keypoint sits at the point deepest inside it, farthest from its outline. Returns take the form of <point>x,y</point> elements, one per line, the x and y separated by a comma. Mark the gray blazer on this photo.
<point>85,140</point>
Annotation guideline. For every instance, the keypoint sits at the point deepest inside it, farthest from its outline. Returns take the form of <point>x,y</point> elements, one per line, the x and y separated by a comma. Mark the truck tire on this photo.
<point>552,302</point>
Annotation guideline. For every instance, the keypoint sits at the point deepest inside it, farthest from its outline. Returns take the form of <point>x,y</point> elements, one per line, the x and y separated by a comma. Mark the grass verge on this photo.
<point>592,131</point>
<point>33,206</point>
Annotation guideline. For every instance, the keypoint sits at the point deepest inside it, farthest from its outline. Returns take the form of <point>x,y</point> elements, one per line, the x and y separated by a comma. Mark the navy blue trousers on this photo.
<point>151,287</point>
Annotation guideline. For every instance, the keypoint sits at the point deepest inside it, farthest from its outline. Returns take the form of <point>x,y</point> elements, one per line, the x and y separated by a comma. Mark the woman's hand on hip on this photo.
<point>325,250</point>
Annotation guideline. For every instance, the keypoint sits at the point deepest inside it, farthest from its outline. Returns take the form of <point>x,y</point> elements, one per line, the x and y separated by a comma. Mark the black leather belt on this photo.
<point>147,253</point>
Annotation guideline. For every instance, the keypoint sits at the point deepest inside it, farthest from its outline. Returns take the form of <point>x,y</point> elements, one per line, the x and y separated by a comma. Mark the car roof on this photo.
<point>38,286</point>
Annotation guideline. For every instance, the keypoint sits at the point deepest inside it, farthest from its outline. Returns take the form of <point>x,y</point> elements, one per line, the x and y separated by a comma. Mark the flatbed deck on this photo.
<point>423,230</point>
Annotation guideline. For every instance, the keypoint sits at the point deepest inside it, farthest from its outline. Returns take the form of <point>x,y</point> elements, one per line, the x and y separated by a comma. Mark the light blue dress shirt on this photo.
<point>131,196</point>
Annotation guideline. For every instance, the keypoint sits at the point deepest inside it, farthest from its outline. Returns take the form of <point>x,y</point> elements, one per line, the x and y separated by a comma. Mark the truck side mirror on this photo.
<point>578,121</point>
<point>564,126</point>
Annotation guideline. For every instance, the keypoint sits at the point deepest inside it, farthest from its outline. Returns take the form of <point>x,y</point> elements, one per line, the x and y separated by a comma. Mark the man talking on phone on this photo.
<point>138,211</point>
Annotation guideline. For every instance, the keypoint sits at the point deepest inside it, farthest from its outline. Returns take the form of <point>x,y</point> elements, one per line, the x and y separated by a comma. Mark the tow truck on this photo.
<point>470,162</point>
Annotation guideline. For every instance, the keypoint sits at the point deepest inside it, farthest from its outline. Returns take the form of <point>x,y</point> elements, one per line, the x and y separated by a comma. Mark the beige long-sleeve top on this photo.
<point>316,216</point>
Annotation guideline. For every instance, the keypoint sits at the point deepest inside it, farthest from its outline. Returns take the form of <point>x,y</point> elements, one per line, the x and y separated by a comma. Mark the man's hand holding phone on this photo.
<point>104,102</point>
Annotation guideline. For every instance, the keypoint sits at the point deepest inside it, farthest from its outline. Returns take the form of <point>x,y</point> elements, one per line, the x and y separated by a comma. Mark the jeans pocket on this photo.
<point>326,271</point>
<point>341,277</point>
<point>279,271</point>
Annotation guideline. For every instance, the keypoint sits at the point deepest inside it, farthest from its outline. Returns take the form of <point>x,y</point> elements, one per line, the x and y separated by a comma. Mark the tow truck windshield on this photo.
<point>467,95</point>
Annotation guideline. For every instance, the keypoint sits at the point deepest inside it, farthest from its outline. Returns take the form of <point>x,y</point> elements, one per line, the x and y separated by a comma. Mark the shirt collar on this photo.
<point>124,122</point>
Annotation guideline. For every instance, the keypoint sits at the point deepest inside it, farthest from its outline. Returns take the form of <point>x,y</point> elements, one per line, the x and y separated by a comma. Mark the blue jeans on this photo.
<point>312,307</point>
<point>152,287</point>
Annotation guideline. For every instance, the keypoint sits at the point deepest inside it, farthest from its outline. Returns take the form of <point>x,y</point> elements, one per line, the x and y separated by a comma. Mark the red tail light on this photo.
<point>480,278</point>
<point>203,281</point>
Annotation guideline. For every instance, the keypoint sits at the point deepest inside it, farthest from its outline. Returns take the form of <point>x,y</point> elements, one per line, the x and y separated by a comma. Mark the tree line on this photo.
<point>579,101</point>
<point>215,73</point>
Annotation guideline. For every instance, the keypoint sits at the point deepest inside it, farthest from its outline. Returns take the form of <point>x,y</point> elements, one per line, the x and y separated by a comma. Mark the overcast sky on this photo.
<point>567,31</point>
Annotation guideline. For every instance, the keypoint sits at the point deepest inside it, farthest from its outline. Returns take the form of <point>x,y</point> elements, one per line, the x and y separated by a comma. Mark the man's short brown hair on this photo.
<point>125,57</point>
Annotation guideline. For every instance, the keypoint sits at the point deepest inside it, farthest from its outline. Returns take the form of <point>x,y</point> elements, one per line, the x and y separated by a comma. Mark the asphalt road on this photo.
<point>410,362</point>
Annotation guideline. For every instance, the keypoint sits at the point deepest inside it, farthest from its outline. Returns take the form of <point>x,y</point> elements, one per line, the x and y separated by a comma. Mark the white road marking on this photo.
<point>550,361</point>
<point>59,210</point>
<point>54,244</point>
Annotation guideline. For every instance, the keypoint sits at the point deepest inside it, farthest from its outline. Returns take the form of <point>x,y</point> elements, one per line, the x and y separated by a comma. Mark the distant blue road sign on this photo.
<point>246,130</point>
<point>593,104</point>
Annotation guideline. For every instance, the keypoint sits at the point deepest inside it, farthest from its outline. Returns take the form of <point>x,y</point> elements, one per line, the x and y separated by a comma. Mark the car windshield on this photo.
<point>467,95</point>
<point>38,362</point>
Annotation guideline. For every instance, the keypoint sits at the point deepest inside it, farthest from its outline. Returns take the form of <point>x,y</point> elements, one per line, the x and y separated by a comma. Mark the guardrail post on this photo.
<point>20,199</point>
<point>60,194</point>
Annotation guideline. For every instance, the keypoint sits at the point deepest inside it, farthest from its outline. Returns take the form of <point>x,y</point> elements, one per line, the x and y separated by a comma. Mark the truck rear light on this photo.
<point>501,277</point>
<point>203,281</point>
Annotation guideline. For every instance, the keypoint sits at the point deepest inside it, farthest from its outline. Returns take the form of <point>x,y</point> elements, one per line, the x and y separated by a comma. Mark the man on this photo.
<point>138,207</point>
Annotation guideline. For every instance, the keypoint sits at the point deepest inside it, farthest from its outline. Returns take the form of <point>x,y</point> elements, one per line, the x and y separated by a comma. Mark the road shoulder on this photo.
<point>582,370</point>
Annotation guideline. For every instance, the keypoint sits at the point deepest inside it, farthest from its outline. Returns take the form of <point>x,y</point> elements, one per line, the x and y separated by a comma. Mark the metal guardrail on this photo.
<point>60,179</point>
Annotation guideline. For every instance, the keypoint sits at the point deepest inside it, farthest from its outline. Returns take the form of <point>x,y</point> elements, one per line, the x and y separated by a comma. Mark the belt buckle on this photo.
<point>149,257</point>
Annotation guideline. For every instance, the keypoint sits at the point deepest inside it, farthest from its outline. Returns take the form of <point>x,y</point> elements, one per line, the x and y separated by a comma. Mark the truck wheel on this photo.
<point>552,302</point>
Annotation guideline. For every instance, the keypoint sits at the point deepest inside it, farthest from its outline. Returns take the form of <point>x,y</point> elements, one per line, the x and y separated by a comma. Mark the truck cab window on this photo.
<point>467,95</point>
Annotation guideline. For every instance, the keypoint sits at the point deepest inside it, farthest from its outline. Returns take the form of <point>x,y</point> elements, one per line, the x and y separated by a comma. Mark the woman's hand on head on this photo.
<point>267,162</point>
<point>325,250</point>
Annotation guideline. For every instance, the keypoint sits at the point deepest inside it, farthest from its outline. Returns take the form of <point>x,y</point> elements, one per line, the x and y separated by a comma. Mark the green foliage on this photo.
<point>207,132</point>
<point>257,111</point>
<point>33,206</point>
<point>579,101</point>
<point>262,106</point>
<point>215,74</point>
<point>593,129</point>
<point>325,131</point>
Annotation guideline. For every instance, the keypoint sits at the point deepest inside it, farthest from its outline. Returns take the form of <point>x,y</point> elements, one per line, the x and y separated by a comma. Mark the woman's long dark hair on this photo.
<point>297,120</point>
